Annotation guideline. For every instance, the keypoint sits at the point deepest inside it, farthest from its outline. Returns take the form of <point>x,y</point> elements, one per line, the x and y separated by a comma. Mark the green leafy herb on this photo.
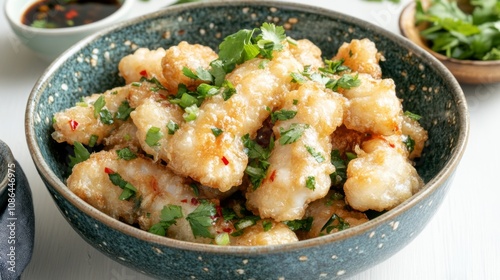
<point>335,222</point>
<point>317,155</point>
<point>311,182</point>
<point>304,224</point>
<point>106,117</point>
<point>172,127</point>
<point>335,196</point>
<point>282,115</point>
<point>124,111</point>
<point>412,115</point>
<point>340,175</point>
<point>409,143</point>
<point>456,34</point>
<point>292,134</point>
<point>243,45</point>
<point>258,160</point>
<point>157,85</point>
<point>346,81</point>
<point>169,215</point>
<point>201,74</point>
<point>267,225</point>
<point>228,214</point>
<point>153,136</point>
<point>195,188</point>
<point>128,189</point>
<point>228,90</point>
<point>81,154</point>
<point>201,219</point>
<point>334,67</point>
<point>126,154</point>
<point>93,140</point>
<point>98,105</point>
<point>217,131</point>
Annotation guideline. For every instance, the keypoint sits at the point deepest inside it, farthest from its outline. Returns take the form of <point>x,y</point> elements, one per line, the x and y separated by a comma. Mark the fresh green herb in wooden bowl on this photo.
<point>464,35</point>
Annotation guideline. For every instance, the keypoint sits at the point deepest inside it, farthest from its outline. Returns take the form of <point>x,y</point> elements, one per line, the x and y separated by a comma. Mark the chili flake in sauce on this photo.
<point>68,13</point>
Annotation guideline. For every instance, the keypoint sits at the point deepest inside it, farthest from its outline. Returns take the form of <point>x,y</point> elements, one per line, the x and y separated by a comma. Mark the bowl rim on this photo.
<point>366,228</point>
<point>409,12</point>
<point>111,19</point>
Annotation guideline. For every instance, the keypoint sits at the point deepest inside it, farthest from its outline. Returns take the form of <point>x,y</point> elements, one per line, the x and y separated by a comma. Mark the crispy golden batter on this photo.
<point>361,56</point>
<point>192,56</point>
<point>220,161</point>
<point>155,114</point>
<point>292,165</point>
<point>257,235</point>
<point>373,107</point>
<point>381,177</point>
<point>81,122</point>
<point>204,160</point>
<point>142,63</point>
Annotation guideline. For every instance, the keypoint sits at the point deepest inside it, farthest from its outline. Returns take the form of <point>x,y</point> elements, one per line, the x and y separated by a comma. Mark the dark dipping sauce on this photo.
<point>68,13</point>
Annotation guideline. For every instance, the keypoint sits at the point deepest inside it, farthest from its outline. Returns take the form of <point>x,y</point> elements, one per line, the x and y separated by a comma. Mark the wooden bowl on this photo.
<point>465,71</point>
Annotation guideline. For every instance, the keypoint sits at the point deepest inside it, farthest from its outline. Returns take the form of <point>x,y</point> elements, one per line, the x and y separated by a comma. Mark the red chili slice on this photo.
<point>273,176</point>
<point>71,14</point>
<point>144,73</point>
<point>73,124</point>
<point>108,170</point>
<point>225,161</point>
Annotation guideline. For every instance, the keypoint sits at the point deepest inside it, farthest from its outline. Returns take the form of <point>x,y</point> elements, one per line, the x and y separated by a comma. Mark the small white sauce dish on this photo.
<point>50,43</point>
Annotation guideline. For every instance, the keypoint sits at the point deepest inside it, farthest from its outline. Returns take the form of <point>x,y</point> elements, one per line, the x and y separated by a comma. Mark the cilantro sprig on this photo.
<point>81,154</point>
<point>245,45</point>
<point>201,219</point>
<point>168,216</point>
<point>340,162</point>
<point>258,163</point>
<point>459,35</point>
<point>128,189</point>
<point>328,76</point>
<point>233,50</point>
<point>292,133</point>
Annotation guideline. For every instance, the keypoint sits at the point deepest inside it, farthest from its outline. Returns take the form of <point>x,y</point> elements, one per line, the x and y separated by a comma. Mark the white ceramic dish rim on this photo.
<point>14,16</point>
<point>430,187</point>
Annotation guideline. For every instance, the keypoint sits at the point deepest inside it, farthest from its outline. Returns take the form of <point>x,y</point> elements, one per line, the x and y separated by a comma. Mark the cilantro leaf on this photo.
<point>303,224</point>
<point>98,105</point>
<point>232,47</point>
<point>258,160</point>
<point>282,115</point>
<point>335,222</point>
<point>311,183</point>
<point>168,216</point>
<point>124,111</point>
<point>126,154</point>
<point>317,155</point>
<point>81,154</point>
<point>460,35</point>
<point>292,134</point>
<point>128,189</point>
<point>201,219</point>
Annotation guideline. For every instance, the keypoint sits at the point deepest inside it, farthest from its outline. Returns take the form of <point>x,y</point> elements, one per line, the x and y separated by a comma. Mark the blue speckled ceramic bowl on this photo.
<point>424,84</point>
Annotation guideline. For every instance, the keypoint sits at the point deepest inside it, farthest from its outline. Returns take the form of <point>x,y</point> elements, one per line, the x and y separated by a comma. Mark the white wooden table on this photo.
<point>462,241</point>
